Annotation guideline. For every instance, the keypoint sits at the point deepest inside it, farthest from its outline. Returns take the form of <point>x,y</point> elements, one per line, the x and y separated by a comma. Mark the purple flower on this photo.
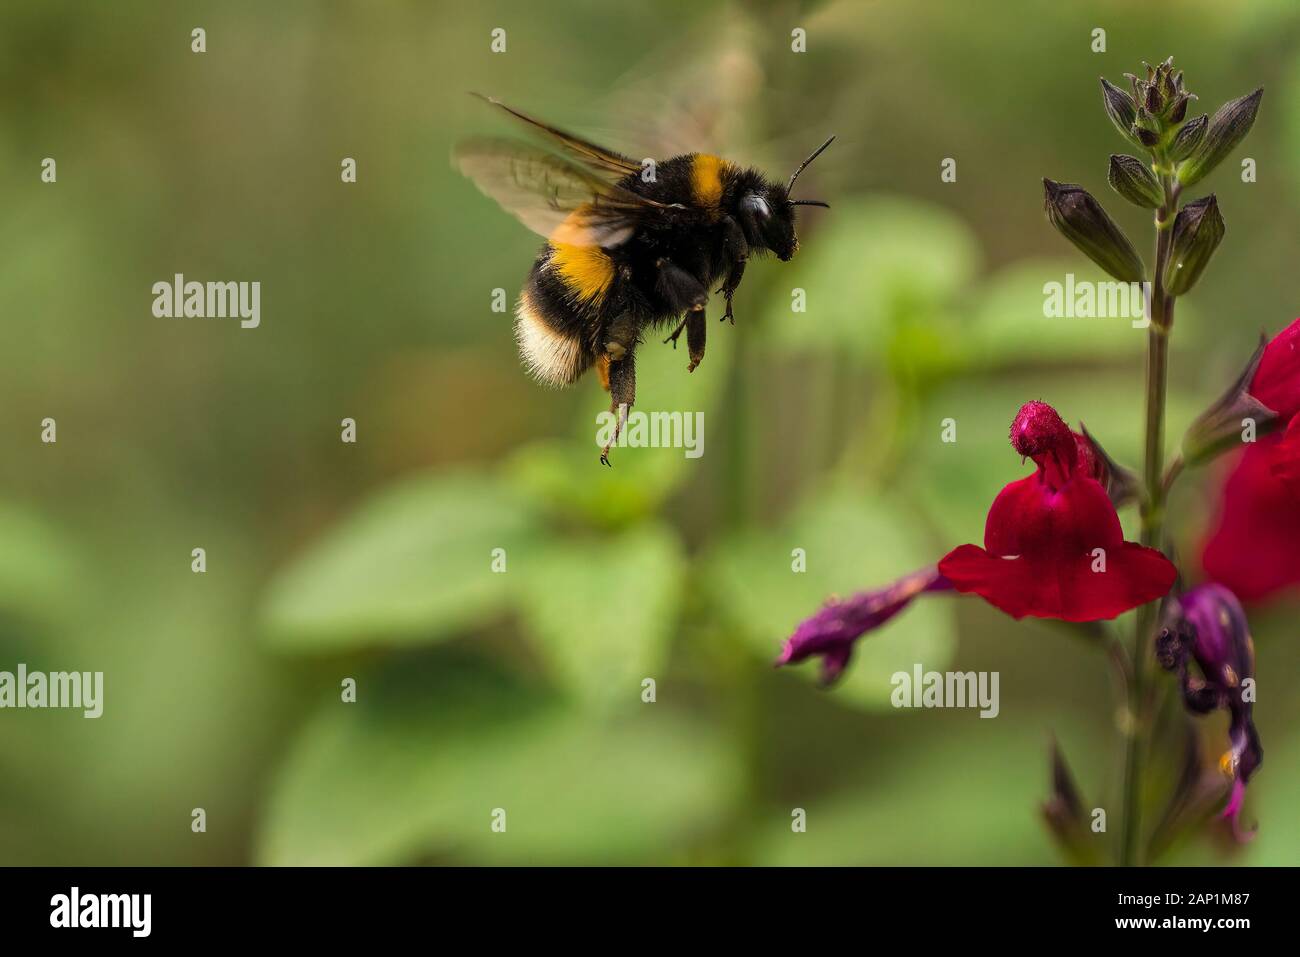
<point>833,630</point>
<point>1208,626</point>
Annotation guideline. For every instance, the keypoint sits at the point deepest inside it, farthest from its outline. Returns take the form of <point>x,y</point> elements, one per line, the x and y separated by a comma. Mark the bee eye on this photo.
<point>756,204</point>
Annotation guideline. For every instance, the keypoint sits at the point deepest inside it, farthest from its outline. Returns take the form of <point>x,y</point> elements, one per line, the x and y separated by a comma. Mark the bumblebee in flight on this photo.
<point>628,247</point>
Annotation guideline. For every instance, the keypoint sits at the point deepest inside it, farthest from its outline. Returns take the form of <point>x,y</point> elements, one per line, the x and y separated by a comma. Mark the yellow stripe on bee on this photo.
<point>706,179</point>
<point>586,270</point>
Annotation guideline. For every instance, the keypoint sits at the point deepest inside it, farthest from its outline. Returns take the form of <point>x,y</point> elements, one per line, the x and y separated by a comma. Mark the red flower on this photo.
<point>1285,463</point>
<point>1053,546</point>
<point>1254,548</point>
<point>1277,380</point>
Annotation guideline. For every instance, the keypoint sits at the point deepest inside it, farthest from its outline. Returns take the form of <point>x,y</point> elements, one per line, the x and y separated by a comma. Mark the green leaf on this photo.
<point>876,263</point>
<point>603,612</point>
<point>412,564</point>
<point>851,543</point>
<point>417,766</point>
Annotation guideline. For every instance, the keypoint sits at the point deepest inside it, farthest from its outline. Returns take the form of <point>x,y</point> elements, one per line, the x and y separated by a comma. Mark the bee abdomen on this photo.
<point>553,355</point>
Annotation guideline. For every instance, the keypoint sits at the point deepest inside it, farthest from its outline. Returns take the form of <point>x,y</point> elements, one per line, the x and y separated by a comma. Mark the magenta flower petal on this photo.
<point>831,632</point>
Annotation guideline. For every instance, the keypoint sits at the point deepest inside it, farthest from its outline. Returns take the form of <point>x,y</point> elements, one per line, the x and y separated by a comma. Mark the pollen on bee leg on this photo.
<point>1228,764</point>
<point>614,351</point>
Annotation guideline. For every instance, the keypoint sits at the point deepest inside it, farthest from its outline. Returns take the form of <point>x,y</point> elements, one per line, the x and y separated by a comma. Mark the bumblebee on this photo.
<point>630,246</point>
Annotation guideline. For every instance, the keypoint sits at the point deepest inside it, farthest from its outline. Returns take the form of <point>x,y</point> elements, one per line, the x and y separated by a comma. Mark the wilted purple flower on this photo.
<point>1207,625</point>
<point>833,630</point>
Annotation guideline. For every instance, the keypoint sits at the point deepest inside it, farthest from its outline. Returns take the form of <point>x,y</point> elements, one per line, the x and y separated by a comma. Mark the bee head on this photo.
<point>767,212</point>
<point>767,218</point>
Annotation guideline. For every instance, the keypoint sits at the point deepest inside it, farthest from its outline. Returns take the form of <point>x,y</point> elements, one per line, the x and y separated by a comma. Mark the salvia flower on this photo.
<point>831,633</point>
<point>1207,626</point>
<point>1285,465</point>
<point>1053,546</point>
<point>1277,380</point>
<point>1254,547</point>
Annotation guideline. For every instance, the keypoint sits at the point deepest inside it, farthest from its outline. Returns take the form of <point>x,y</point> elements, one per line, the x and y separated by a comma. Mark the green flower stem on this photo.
<point>1162,318</point>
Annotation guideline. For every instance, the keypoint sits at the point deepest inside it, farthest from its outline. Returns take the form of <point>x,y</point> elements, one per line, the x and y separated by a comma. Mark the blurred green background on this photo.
<point>372,561</point>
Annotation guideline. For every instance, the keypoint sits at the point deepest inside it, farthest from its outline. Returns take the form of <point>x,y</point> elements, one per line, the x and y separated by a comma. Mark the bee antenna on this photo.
<point>810,202</point>
<point>804,165</point>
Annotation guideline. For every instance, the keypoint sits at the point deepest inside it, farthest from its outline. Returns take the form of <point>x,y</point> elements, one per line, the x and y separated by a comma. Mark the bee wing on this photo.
<point>553,197</point>
<point>600,160</point>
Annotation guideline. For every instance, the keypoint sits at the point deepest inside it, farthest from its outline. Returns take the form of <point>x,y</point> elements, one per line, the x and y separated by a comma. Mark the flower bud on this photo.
<point>1065,815</point>
<point>1227,128</point>
<point>1131,178</point>
<point>1168,89</point>
<point>1178,108</point>
<point>1080,218</point>
<point>1188,138</point>
<point>1120,108</point>
<point>1155,103</point>
<point>1197,232</point>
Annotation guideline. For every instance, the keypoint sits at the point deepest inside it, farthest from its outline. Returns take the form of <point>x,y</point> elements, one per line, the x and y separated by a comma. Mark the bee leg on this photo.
<point>676,334</point>
<point>729,287</point>
<point>679,290</point>
<point>622,393</point>
<point>735,251</point>
<point>696,327</point>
